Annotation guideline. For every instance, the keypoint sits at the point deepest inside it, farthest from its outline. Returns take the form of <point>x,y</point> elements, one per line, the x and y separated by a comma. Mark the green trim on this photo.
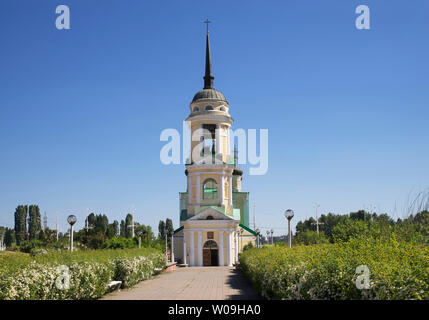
<point>178,230</point>
<point>248,229</point>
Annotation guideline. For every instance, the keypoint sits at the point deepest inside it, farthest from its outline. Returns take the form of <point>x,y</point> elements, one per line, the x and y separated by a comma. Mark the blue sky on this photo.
<point>82,109</point>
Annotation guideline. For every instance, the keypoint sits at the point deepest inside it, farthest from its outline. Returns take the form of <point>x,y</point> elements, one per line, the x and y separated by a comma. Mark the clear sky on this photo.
<point>81,110</point>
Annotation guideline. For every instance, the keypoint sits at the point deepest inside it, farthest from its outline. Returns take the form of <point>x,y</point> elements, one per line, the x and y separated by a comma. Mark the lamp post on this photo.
<point>257,237</point>
<point>289,215</point>
<point>268,237</point>
<point>71,219</point>
<point>272,232</point>
<point>139,234</point>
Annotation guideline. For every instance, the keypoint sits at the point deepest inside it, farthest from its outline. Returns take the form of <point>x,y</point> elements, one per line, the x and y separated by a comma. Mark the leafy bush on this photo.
<point>119,243</point>
<point>398,270</point>
<point>23,276</point>
<point>248,246</point>
<point>309,237</point>
<point>28,245</point>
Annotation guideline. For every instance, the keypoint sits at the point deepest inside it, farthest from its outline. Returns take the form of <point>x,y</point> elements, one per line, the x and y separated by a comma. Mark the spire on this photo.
<point>208,77</point>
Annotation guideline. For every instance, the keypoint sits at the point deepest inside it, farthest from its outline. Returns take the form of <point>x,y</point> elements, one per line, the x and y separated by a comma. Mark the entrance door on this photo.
<point>210,254</point>
<point>214,257</point>
<point>206,257</point>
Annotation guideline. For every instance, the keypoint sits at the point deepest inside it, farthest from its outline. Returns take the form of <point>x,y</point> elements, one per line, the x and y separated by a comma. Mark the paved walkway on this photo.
<point>195,283</point>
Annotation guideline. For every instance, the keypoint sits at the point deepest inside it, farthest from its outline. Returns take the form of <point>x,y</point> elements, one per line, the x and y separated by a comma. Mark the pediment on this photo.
<point>210,212</point>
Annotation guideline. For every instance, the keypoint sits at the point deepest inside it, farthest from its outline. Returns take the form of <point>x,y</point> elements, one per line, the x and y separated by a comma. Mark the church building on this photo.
<point>214,211</point>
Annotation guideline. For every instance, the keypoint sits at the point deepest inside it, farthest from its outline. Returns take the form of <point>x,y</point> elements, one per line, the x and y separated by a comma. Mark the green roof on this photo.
<point>178,229</point>
<point>248,229</point>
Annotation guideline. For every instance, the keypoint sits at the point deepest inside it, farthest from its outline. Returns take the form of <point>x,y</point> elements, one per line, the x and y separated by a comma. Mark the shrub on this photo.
<point>34,277</point>
<point>398,270</point>
<point>28,245</point>
<point>119,243</point>
<point>310,237</point>
<point>248,246</point>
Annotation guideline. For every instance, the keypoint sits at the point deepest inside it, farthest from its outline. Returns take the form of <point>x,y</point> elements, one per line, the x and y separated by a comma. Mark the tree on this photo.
<point>169,226</point>
<point>20,223</point>
<point>115,228</point>
<point>128,223</point>
<point>122,229</point>
<point>34,222</point>
<point>96,241</point>
<point>48,236</point>
<point>309,237</point>
<point>101,224</point>
<point>147,234</point>
<point>161,229</point>
<point>350,229</point>
<point>91,220</point>
<point>9,237</point>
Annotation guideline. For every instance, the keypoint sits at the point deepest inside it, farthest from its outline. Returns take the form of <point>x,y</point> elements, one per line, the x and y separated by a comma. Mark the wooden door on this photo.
<point>206,257</point>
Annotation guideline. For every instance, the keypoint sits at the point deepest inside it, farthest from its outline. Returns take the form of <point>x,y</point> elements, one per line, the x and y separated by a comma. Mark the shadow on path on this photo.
<point>238,281</point>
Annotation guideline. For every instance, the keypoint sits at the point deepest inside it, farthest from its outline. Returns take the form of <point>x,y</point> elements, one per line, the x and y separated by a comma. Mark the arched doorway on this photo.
<point>210,253</point>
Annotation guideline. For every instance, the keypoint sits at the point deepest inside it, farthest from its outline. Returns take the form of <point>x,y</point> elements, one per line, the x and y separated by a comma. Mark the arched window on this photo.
<point>210,244</point>
<point>196,109</point>
<point>210,189</point>
<point>209,218</point>
<point>209,108</point>
<point>222,109</point>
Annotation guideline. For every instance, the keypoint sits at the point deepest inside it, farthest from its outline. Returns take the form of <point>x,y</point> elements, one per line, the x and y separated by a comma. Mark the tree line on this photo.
<point>342,227</point>
<point>97,233</point>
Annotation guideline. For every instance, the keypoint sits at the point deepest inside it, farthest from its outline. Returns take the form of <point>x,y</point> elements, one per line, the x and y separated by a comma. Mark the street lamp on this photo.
<point>257,237</point>
<point>71,219</point>
<point>268,237</point>
<point>272,232</point>
<point>139,234</point>
<point>241,236</point>
<point>289,215</point>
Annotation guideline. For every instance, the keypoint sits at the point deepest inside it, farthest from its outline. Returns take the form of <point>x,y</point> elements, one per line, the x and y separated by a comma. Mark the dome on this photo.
<point>209,94</point>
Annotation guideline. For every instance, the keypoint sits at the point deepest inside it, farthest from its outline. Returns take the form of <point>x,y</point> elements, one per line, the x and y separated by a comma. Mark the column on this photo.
<point>198,188</point>
<point>192,248</point>
<point>200,248</point>
<point>218,139</point>
<point>228,249</point>
<point>222,188</point>
<point>230,190</point>
<point>189,189</point>
<point>184,247</point>
<point>221,249</point>
<point>228,143</point>
<point>200,141</point>
<point>236,245</point>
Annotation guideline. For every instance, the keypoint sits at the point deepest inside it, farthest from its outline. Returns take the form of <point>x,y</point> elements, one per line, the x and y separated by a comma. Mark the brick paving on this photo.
<point>195,283</point>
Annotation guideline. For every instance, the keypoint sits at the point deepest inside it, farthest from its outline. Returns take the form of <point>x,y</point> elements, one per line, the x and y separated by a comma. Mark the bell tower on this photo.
<point>214,211</point>
<point>211,170</point>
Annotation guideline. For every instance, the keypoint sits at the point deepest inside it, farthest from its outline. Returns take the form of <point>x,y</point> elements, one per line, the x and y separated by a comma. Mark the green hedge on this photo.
<point>25,277</point>
<point>398,270</point>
